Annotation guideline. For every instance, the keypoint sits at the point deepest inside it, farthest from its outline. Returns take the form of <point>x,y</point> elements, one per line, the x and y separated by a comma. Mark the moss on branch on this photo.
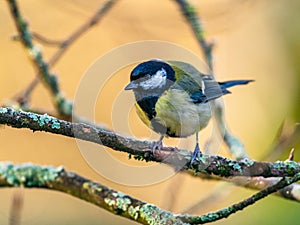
<point>48,177</point>
<point>216,165</point>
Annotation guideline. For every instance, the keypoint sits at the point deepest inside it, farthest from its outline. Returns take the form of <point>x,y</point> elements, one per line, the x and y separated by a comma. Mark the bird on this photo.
<point>173,98</point>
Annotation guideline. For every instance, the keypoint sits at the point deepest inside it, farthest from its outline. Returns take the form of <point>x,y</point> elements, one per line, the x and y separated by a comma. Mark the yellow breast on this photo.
<point>176,111</point>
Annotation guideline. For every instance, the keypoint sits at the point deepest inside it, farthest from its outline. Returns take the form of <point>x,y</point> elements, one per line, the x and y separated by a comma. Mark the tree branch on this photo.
<point>95,19</point>
<point>63,46</point>
<point>216,165</point>
<point>34,176</point>
<point>291,192</point>
<point>49,80</point>
<point>224,213</point>
<point>63,106</point>
<point>195,23</point>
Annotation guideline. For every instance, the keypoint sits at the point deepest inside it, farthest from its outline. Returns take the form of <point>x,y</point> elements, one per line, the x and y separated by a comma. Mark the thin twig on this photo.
<point>194,21</point>
<point>170,198</point>
<point>16,207</point>
<point>235,145</point>
<point>219,192</point>
<point>95,19</point>
<point>46,40</point>
<point>224,213</point>
<point>63,106</point>
<point>286,138</point>
<point>23,97</point>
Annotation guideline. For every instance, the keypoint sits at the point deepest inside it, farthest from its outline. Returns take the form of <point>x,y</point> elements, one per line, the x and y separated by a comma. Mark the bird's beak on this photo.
<point>131,85</point>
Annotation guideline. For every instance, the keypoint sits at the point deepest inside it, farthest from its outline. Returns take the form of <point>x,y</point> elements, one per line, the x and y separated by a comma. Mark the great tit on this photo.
<point>173,98</point>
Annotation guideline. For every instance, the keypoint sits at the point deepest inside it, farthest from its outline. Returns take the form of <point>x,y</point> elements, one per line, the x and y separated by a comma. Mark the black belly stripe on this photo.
<point>147,104</point>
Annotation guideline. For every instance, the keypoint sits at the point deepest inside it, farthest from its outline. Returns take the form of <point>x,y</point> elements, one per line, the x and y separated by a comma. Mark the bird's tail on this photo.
<point>231,83</point>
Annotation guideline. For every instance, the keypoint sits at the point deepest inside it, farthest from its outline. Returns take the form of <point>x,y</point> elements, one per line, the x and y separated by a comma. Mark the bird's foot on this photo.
<point>196,154</point>
<point>157,145</point>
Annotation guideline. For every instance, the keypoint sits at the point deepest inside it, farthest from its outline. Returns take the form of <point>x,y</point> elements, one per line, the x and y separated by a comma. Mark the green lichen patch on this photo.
<point>45,120</point>
<point>123,203</point>
<point>235,166</point>
<point>155,216</point>
<point>110,202</point>
<point>209,217</point>
<point>134,212</point>
<point>86,185</point>
<point>33,117</point>
<point>55,125</point>
<point>291,166</point>
<point>247,162</point>
<point>3,110</point>
<point>28,175</point>
<point>150,214</point>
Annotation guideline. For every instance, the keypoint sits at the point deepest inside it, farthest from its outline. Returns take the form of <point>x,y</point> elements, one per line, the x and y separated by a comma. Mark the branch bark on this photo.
<point>142,150</point>
<point>58,179</point>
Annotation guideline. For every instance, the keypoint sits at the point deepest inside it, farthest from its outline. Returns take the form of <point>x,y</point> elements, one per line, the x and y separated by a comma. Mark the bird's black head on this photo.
<point>151,76</point>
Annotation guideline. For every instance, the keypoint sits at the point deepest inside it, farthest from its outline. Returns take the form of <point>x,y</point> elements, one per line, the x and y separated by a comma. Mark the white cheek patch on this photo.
<point>157,80</point>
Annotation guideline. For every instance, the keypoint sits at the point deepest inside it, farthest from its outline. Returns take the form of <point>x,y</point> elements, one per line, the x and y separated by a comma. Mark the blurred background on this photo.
<point>253,39</point>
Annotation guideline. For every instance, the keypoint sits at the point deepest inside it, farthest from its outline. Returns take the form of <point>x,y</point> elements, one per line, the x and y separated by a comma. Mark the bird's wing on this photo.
<point>198,97</point>
<point>188,69</point>
<point>212,89</point>
<point>201,87</point>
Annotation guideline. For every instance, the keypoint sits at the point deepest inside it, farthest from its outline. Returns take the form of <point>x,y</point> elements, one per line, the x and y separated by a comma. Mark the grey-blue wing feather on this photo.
<point>203,88</point>
<point>198,97</point>
<point>212,89</point>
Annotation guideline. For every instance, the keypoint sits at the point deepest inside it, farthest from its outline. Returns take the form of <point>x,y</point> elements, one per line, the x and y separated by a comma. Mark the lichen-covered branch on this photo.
<point>58,179</point>
<point>34,176</point>
<point>63,106</point>
<point>224,213</point>
<point>284,140</point>
<point>98,15</point>
<point>49,80</point>
<point>235,145</point>
<point>193,20</point>
<point>222,190</point>
<point>216,165</point>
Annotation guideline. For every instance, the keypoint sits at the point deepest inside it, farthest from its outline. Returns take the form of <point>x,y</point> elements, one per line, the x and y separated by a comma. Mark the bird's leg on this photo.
<point>157,144</point>
<point>197,153</point>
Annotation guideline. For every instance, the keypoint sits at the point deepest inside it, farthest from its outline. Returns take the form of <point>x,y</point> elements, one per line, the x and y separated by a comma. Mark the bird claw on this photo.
<point>196,154</point>
<point>157,145</point>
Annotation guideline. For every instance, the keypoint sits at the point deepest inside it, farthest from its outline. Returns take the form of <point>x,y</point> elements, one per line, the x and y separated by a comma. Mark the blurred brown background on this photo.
<point>254,39</point>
